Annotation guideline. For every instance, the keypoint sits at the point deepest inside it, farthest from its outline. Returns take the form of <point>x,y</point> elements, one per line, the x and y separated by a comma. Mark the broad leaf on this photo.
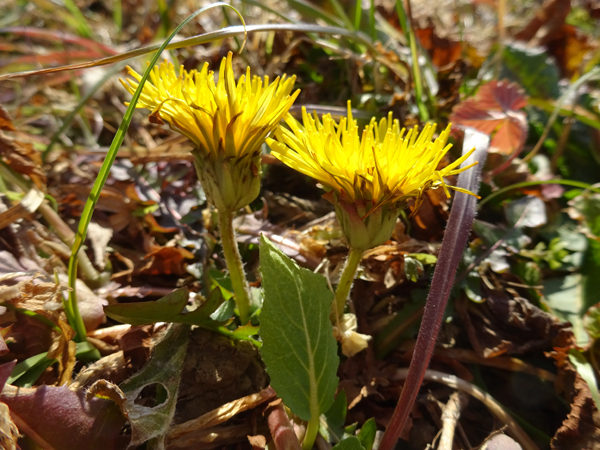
<point>298,349</point>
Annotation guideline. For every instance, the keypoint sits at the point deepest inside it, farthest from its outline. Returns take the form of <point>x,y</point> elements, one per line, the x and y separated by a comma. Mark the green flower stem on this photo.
<point>343,288</point>
<point>235,265</point>
<point>311,433</point>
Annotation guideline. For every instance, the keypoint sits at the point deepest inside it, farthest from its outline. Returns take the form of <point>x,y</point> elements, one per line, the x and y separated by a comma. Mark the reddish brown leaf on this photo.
<point>58,418</point>
<point>495,111</point>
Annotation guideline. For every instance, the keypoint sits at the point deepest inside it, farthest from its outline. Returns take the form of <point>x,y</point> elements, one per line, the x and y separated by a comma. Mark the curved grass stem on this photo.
<point>235,265</point>
<point>343,288</point>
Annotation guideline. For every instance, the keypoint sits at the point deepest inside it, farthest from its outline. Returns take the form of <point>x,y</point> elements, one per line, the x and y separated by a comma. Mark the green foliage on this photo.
<point>171,309</point>
<point>352,443</point>
<point>332,423</point>
<point>298,349</point>
<point>532,69</point>
<point>166,309</point>
<point>591,322</point>
<point>564,298</point>
<point>366,435</point>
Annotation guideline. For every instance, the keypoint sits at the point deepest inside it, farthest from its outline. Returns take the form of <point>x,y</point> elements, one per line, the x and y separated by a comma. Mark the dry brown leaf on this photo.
<point>23,159</point>
<point>24,208</point>
<point>167,260</point>
<point>6,122</point>
<point>581,429</point>
<point>548,19</point>
<point>509,325</point>
<point>258,442</point>
<point>9,432</point>
<point>443,51</point>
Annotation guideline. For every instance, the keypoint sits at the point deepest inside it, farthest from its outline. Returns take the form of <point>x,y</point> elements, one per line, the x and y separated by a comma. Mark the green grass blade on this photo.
<point>411,39</point>
<point>578,184</point>
<point>71,306</point>
<point>308,9</point>
<point>358,37</point>
<point>357,14</point>
<point>82,24</point>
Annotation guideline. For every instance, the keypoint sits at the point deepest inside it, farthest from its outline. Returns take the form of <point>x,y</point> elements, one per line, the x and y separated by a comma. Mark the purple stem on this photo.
<point>282,430</point>
<point>455,238</point>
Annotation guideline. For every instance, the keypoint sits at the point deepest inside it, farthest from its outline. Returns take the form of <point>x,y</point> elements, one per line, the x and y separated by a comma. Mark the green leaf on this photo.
<point>333,424</point>
<point>166,309</point>
<point>366,436</point>
<point>26,372</point>
<point>425,258</point>
<point>298,349</point>
<point>564,298</point>
<point>352,443</point>
<point>532,69</point>
<point>164,371</point>
<point>584,368</point>
<point>591,322</point>
<point>412,268</point>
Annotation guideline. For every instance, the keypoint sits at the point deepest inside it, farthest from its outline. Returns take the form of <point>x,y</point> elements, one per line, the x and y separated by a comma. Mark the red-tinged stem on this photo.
<point>455,239</point>
<point>282,430</point>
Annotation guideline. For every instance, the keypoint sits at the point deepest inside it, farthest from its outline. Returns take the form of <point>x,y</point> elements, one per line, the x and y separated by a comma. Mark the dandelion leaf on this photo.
<point>298,349</point>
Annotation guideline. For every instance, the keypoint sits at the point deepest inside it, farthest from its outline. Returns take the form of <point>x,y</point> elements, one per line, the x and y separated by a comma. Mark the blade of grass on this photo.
<point>118,14</point>
<point>579,184</point>
<point>372,31</point>
<point>82,23</point>
<point>411,39</point>
<point>453,244</point>
<point>357,14</point>
<point>359,37</point>
<point>339,9</point>
<point>307,8</point>
<point>70,305</point>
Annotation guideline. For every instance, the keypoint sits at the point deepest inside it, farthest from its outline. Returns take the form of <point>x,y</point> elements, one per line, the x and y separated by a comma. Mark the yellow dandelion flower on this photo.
<point>227,121</point>
<point>368,177</point>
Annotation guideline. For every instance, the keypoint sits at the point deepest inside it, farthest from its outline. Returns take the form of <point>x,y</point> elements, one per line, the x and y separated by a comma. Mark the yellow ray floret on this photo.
<point>234,118</point>
<point>384,165</point>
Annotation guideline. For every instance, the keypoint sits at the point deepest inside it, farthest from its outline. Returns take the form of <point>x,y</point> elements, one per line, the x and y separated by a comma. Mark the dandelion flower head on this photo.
<point>384,165</point>
<point>218,117</point>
